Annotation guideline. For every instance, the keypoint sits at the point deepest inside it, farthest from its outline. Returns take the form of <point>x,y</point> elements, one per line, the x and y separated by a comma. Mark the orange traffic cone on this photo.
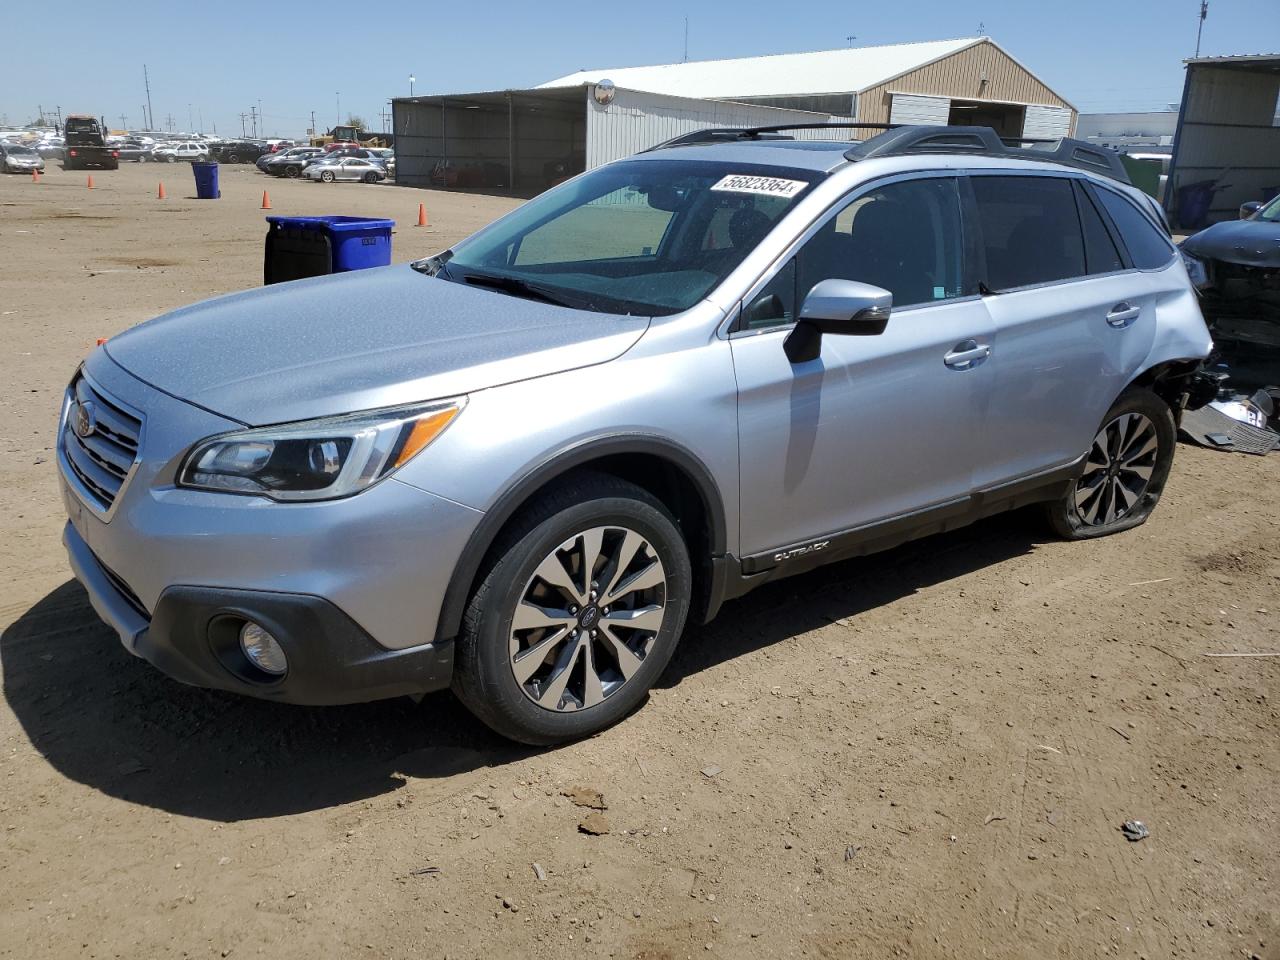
<point>266,201</point>
<point>422,214</point>
<point>90,183</point>
<point>160,194</point>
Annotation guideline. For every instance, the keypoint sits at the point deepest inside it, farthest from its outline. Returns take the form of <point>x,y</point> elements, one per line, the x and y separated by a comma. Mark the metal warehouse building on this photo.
<point>1228,135</point>
<point>529,139</point>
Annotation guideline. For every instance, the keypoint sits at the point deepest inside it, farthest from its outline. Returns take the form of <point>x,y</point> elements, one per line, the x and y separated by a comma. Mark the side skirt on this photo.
<point>733,577</point>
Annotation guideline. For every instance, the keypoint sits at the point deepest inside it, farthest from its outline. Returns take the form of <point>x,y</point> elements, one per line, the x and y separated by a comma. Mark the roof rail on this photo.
<point>778,132</point>
<point>983,141</point>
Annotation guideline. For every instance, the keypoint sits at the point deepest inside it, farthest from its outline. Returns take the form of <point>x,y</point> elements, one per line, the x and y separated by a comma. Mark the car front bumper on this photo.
<point>353,586</point>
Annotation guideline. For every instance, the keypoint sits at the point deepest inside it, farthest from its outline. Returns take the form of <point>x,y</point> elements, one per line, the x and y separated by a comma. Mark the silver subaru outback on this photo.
<point>527,463</point>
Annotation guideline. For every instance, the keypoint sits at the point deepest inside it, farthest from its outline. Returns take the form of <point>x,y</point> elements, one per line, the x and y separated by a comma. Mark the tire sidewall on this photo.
<point>497,698</point>
<point>1067,518</point>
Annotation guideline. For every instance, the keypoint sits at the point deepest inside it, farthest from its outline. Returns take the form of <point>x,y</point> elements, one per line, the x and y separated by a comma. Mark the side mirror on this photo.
<point>841,307</point>
<point>1249,208</point>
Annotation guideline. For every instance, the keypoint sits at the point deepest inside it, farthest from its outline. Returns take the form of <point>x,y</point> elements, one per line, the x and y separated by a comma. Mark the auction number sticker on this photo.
<point>768,186</point>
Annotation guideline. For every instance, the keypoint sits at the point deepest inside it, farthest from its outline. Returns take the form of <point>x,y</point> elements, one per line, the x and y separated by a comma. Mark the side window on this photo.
<point>1100,252</point>
<point>1148,247</point>
<point>904,237</point>
<point>776,303</point>
<point>1030,230</point>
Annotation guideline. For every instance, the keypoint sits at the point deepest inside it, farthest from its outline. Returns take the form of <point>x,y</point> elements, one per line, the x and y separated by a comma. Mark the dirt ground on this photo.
<point>926,753</point>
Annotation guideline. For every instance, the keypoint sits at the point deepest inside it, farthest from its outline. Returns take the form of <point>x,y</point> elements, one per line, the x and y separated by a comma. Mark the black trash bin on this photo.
<point>300,247</point>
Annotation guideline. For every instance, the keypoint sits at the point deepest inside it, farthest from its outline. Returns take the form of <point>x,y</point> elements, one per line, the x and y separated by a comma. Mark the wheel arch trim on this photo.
<point>580,454</point>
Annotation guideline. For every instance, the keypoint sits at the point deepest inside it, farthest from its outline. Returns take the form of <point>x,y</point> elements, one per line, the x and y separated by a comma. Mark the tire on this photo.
<point>233,158</point>
<point>587,681</point>
<point>1124,472</point>
<point>370,177</point>
<point>293,172</point>
<point>327,176</point>
<point>171,159</point>
<point>142,158</point>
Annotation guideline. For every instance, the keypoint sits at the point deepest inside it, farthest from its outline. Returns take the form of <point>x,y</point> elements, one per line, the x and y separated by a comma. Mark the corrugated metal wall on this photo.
<point>1227,133</point>
<point>635,121</point>
<point>960,76</point>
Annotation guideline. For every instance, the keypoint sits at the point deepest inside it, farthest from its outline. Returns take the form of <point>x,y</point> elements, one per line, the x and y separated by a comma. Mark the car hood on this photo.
<point>360,340</point>
<point>1252,242</point>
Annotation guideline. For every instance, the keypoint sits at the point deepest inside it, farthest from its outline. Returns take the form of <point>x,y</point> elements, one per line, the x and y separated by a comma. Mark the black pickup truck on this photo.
<point>86,145</point>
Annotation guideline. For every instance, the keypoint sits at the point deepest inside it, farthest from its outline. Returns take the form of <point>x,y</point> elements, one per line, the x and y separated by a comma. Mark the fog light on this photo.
<point>262,650</point>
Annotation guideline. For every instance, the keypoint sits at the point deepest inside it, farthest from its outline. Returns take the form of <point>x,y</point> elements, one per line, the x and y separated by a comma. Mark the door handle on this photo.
<point>1122,315</point>
<point>966,355</point>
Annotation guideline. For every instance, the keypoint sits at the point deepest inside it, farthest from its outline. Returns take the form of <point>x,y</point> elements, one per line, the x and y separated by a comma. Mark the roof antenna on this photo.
<point>851,37</point>
<point>982,29</point>
<point>686,40</point>
<point>1204,12</point>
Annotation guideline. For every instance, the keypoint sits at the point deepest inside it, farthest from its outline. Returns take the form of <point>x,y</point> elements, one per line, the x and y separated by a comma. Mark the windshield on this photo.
<point>17,148</point>
<point>1271,212</point>
<point>81,126</point>
<point>640,236</point>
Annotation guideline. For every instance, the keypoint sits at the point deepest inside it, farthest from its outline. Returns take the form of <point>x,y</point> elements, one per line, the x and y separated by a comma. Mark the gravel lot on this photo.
<point>926,753</point>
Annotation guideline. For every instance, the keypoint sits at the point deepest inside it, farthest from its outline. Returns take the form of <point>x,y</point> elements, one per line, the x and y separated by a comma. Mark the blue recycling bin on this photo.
<point>206,175</point>
<point>299,247</point>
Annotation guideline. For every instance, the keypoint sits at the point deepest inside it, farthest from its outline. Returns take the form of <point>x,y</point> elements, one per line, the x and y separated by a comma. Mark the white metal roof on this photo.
<point>850,70</point>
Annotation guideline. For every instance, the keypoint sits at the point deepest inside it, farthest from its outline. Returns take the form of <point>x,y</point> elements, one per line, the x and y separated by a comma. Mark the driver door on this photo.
<point>878,430</point>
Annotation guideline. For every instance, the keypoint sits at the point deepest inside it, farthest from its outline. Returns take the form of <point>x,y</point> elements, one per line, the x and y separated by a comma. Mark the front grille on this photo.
<point>104,456</point>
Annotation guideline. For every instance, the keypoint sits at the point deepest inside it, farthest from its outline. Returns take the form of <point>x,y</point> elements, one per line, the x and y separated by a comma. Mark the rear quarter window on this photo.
<point>1148,247</point>
<point>1030,230</point>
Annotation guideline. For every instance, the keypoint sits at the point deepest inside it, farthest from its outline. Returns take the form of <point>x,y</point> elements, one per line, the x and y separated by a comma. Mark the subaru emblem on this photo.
<point>84,419</point>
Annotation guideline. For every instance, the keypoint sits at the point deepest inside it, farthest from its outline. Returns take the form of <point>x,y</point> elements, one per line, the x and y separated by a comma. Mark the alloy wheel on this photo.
<point>587,618</point>
<point>1118,469</point>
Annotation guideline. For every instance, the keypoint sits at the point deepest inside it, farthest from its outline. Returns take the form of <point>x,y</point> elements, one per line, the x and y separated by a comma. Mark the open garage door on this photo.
<point>914,108</point>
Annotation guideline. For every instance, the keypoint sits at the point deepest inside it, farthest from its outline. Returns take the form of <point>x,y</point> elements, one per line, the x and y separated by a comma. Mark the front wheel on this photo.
<point>292,172</point>
<point>1123,473</point>
<point>327,177</point>
<point>578,616</point>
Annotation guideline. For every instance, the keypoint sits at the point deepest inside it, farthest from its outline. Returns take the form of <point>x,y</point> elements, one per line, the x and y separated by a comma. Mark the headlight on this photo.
<point>1196,269</point>
<point>317,459</point>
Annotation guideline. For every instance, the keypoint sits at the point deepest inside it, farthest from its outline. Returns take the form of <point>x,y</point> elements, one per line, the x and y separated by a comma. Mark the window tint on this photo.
<point>1100,253</point>
<point>619,224</point>
<point>776,303</point>
<point>1030,230</point>
<point>904,237</point>
<point>1148,247</point>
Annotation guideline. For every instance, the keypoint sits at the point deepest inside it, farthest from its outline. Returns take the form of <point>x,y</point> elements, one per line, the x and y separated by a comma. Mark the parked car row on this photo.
<point>366,164</point>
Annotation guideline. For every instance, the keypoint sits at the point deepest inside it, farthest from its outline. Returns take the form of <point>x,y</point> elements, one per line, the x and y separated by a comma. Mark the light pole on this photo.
<point>411,79</point>
<point>338,94</point>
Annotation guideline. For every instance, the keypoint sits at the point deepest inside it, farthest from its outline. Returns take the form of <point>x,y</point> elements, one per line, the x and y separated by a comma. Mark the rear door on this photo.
<point>1072,319</point>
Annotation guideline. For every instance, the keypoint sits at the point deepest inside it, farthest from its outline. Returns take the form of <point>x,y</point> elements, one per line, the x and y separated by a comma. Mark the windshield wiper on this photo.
<point>432,266</point>
<point>516,287</point>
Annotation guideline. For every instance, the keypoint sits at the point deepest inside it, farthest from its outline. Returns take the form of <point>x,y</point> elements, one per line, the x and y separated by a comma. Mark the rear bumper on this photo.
<point>192,637</point>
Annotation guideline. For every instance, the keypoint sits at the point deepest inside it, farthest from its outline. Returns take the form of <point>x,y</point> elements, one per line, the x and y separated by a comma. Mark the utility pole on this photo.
<point>253,115</point>
<point>338,94</point>
<point>191,124</point>
<point>686,40</point>
<point>243,117</point>
<point>1204,12</point>
<point>124,122</point>
<point>384,115</point>
<point>146,81</point>
<point>168,119</point>
<point>262,118</point>
<point>313,123</point>
<point>200,114</point>
<point>850,38</point>
<point>411,79</point>
<point>40,111</point>
<point>145,125</point>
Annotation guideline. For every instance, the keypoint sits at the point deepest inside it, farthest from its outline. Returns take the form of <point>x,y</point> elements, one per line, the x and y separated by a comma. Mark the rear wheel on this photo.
<point>578,615</point>
<point>327,176</point>
<point>1124,471</point>
<point>370,177</point>
<point>292,172</point>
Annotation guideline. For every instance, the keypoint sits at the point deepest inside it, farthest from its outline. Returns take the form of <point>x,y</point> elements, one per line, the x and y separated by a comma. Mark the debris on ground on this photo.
<point>539,872</point>
<point>1134,830</point>
<point>992,818</point>
<point>585,797</point>
<point>710,771</point>
<point>424,872</point>
<point>595,824</point>
<point>850,852</point>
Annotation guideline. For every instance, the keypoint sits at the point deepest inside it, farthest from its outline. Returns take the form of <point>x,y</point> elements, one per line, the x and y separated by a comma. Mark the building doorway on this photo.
<point>1006,119</point>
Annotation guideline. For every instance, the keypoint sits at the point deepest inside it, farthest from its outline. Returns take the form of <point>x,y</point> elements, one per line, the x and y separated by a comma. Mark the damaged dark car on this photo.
<point>1235,266</point>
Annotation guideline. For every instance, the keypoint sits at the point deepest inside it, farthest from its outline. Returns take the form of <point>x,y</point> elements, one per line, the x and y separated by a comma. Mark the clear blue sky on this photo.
<point>294,56</point>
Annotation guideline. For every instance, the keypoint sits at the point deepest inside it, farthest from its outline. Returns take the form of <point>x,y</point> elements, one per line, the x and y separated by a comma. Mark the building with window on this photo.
<point>529,139</point>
